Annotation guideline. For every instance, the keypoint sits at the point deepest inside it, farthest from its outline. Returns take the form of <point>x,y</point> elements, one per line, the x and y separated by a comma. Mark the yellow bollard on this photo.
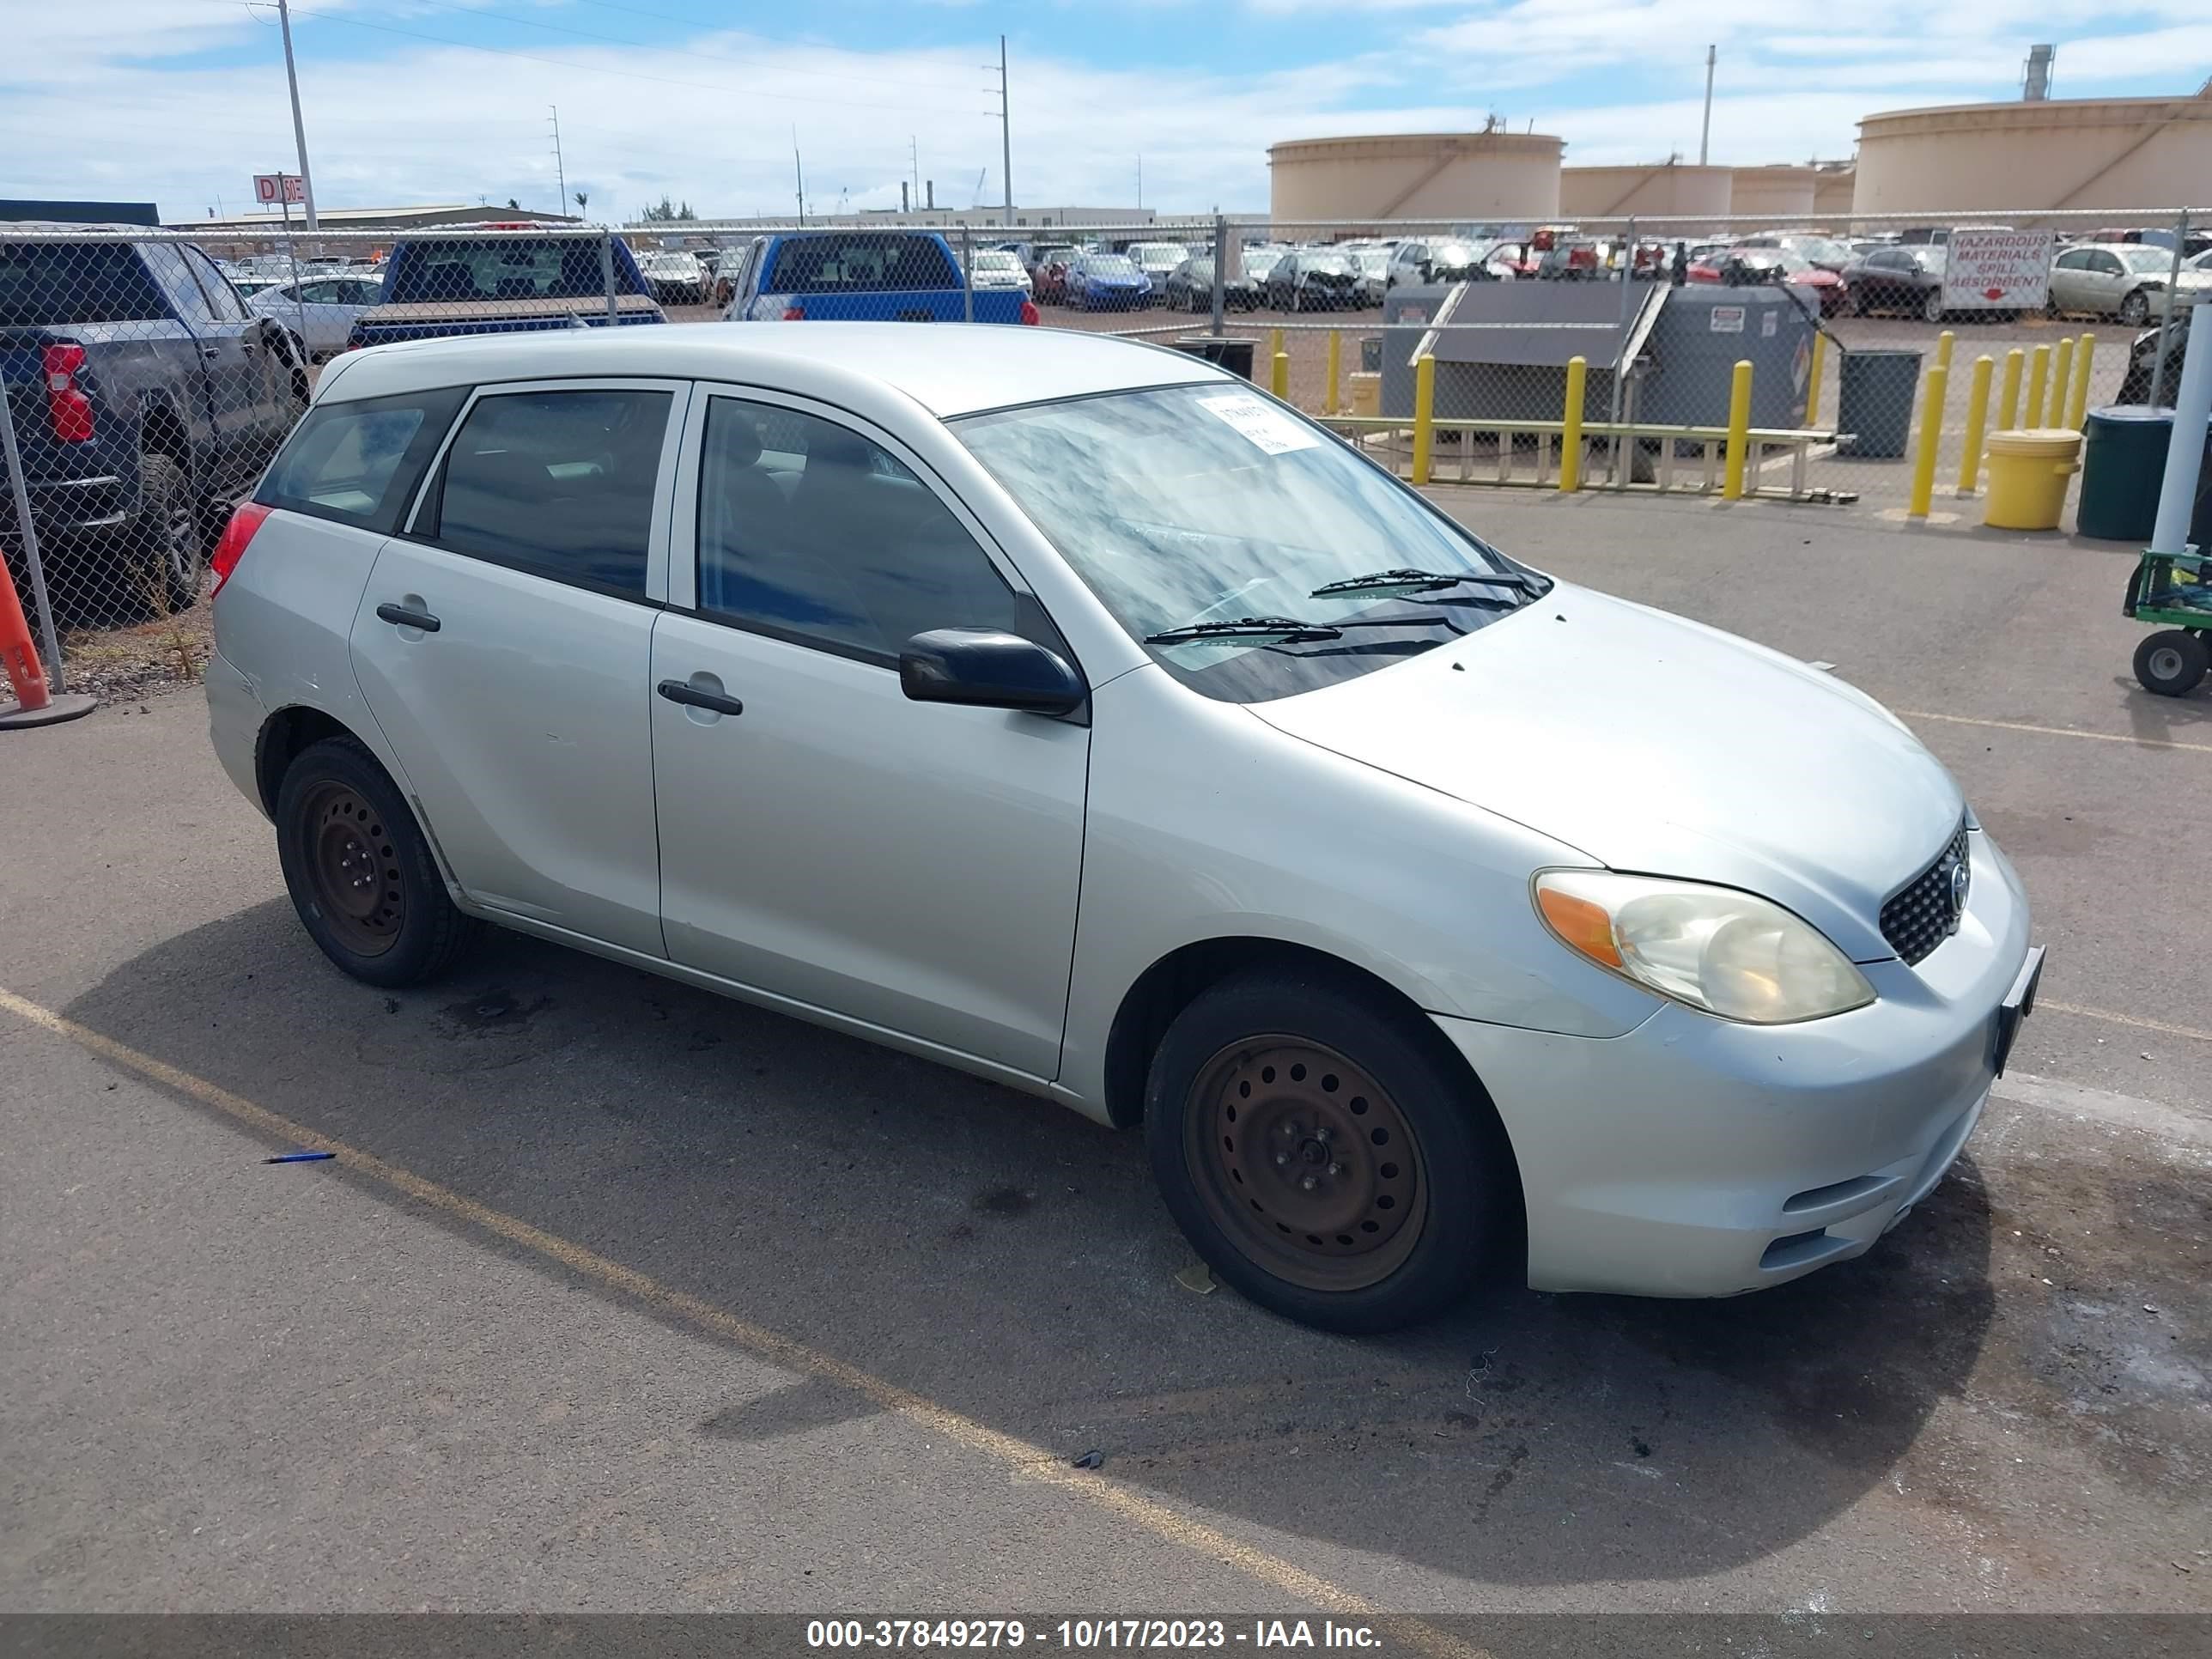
<point>2077,406</point>
<point>1335,366</point>
<point>1739,433</point>
<point>1571,440</point>
<point>2009,399</point>
<point>1977,420</point>
<point>1944,342</point>
<point>2038,366</point>
<point>1424,406</point>
<point>1278,372</point>
<point>1813,380</point>
<point>1931,436</point>
<point>2062,379</point>
<point>1275,342</point>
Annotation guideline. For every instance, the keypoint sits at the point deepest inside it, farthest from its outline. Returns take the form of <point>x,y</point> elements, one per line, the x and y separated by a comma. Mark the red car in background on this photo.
<point>1048,274</point>
<point>1751,267</point>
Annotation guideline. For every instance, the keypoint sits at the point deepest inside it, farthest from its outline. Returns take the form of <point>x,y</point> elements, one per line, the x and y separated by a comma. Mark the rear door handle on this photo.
<point>400,615</point>
<point>691,696</point>
<point>210,353</point>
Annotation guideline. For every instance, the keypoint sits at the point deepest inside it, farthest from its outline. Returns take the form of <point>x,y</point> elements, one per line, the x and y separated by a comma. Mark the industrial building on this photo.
<point>273,221</point>
<point>1474,177</point>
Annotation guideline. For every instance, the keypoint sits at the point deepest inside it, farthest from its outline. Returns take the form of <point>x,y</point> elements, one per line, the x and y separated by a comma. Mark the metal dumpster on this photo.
<point>1704,330</point>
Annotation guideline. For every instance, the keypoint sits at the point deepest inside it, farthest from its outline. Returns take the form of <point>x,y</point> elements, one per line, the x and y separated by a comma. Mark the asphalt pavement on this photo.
<point>618,1295</point>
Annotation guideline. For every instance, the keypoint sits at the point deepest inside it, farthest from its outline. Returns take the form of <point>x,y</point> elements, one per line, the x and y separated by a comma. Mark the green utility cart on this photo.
<point>2174,592</point>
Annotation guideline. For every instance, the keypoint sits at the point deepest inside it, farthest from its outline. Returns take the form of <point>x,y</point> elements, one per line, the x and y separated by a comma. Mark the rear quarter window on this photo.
<point>50,284</point>
<point>359,462</point>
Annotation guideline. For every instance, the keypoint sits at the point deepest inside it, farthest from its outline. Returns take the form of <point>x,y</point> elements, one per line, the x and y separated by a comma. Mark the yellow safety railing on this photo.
<point>2038,367</point>
<point>2077,406</point>
<point>1977,416</point>
<point>1739,432</point>
<point>1571,428</point>
<point>1330,403</point>
<point>2009,399</point>
<point>1931,437</point>
<point>1425,411</point>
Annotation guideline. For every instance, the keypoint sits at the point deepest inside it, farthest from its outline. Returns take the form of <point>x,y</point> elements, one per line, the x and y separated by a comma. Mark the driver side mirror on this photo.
<point>987,668</point>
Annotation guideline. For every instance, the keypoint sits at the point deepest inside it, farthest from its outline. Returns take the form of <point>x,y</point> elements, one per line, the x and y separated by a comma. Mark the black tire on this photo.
<point>1855,301</point>
<point>2171,662</point>
<point>1453,1183</point>
<point>336,799</point>
<point>163,551</point>
<point>2135,309</point>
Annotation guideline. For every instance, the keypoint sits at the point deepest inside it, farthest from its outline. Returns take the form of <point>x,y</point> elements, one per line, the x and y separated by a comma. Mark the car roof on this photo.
<point>949,368</point>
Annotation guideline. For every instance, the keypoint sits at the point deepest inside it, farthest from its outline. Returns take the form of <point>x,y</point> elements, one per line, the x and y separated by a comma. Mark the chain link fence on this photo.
<point>150,375</point>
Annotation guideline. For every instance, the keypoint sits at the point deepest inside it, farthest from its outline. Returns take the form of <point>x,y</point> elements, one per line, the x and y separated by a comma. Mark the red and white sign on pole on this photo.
<point>271,188</point>
<point>1988,270</point>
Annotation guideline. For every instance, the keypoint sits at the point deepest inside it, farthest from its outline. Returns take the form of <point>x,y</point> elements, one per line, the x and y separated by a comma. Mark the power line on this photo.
<point>600,69</point>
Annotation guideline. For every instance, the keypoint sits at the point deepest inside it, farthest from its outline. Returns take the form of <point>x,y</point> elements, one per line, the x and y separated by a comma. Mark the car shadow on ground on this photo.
<point>1009,1260</point>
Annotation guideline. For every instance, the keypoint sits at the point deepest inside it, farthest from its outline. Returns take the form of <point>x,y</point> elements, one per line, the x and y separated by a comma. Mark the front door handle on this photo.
<point>400,615</point>
<point>691,696</point>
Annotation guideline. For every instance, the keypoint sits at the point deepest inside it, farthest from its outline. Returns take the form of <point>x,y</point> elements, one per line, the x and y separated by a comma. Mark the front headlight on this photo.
<point>1725,952</point>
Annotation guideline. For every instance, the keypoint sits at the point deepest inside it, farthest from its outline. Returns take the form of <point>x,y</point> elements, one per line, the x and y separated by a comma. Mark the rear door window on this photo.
<point>558,484</point>
<point>359,462</point>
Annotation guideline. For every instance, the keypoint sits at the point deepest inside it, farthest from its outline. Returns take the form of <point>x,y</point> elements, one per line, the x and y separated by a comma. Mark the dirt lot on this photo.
<point>617,1296</point>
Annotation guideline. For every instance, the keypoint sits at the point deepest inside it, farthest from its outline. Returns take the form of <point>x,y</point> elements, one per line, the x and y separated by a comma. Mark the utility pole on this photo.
<point>798,173</point>
<point>1006,136</point>
<point>559,167</point>
<point>1705,133</point>
<point>299,127</point>
<point>913,161</point>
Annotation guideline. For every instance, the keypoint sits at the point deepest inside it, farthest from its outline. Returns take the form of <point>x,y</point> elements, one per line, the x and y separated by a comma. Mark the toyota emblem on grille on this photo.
<point>1962,877</point>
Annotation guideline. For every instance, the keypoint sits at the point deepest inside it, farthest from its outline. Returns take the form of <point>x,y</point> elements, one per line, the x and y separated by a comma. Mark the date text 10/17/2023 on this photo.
<point>1086,1635</point>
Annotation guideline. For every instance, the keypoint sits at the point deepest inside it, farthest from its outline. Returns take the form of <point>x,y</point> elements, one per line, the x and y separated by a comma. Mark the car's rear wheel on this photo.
<point>1323,1155</point>
<point>360,872</point>
<point>163,551</point>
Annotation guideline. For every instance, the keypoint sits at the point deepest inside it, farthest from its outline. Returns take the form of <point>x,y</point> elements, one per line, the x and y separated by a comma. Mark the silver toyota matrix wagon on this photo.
<point>1068,711</point>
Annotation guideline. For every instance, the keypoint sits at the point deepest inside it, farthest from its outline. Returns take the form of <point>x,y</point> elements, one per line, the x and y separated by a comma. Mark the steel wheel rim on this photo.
<point>353,865</point>
<point>1306,1163</point>
<point>180,543</point>
<point>2165,663</point>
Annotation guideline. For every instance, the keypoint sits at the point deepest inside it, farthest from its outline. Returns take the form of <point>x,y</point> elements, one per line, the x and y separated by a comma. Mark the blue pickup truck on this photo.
<point>864,276</point>
<point>145,397</point>
<point>505,284</point>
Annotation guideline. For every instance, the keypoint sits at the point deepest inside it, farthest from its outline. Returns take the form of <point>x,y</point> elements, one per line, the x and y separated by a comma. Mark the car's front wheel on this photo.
<point>2135,309</point>
<point>1324,1153</point>
<point>1931,305</point>
<point>360,872</point>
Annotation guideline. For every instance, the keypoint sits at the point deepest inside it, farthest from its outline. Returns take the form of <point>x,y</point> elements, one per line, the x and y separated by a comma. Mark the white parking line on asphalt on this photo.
<point>2054,730</point>
<point>1020,1457</point>
<point>2177,1125</point>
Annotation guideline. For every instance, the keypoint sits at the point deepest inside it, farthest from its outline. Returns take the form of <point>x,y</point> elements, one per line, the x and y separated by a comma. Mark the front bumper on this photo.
<point>1693,1157</point>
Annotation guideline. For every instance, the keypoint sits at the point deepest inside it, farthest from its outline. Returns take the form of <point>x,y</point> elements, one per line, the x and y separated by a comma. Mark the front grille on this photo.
<point>1922,914</point>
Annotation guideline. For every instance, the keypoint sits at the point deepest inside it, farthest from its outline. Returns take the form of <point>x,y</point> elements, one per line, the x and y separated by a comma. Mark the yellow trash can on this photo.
<point>1367,393</point>
<point>2029,471</point>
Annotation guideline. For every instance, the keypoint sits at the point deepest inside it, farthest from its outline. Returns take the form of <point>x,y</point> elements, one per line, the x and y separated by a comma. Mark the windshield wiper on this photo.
<point>1245,627</point>
<point>1405,581</point>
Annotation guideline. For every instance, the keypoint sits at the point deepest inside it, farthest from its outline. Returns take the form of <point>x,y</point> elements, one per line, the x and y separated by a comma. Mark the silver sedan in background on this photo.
<point>1066,710</point>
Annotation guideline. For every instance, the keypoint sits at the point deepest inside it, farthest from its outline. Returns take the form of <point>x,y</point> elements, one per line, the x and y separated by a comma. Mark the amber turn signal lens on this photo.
<point>1581,923</point>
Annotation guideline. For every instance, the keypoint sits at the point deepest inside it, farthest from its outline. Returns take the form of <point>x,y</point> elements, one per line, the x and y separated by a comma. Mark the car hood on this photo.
<point>1659,746</point>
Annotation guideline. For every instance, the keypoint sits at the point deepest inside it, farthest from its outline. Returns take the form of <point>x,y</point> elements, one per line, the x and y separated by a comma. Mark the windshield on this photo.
<point>1456,255</point>
<point>1160,256</point>
<point>1110,264</point>
<point>1259,260</point>
<point>1205,503</point>
<point>1374,261</point>
<point>2146,259</point>
<point>1334,264</point>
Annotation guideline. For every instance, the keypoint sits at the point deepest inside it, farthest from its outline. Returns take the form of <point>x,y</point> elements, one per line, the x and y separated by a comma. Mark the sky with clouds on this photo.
<point>180,101</point>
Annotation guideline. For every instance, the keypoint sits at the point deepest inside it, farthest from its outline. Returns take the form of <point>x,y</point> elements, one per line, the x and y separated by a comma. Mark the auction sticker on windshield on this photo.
<point>1262,424</point>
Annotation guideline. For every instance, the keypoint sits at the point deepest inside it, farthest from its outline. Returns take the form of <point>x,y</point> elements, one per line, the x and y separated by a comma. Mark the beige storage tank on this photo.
<point>1832,195</point>
<point>1777,196</point>
<point>1458,176</point>
<point>1673,189</point>
<point>2053,153</point>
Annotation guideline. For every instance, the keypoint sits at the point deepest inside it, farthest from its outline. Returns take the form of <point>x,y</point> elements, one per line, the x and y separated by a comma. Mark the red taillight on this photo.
<point>794,313</point>
<point>244,519</point>
<point>67,407</point>
<point>1029,312</point>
